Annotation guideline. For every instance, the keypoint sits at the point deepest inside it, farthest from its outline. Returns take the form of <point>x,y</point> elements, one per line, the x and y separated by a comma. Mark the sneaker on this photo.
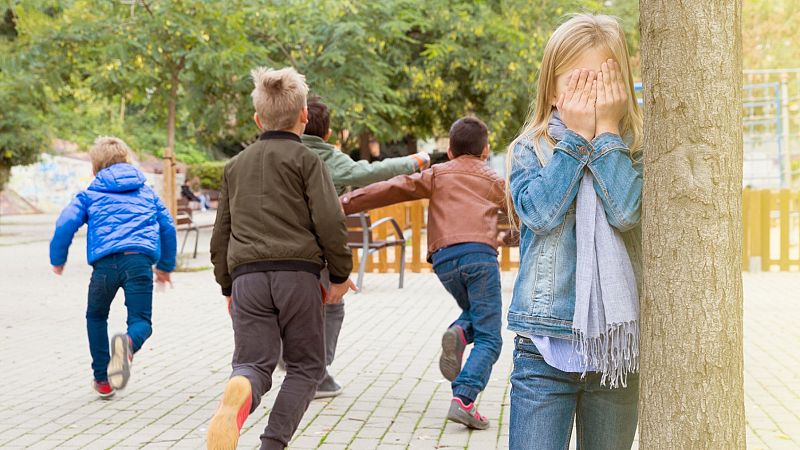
<point>103,388</point>
<point>119,368</point>
<point>328,388</point>
<point>453,345</point>
<point>225,426</point>
<point>467,415</point>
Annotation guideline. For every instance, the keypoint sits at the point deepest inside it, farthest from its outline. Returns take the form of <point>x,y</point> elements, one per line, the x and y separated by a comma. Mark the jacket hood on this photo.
<point>118,178</point>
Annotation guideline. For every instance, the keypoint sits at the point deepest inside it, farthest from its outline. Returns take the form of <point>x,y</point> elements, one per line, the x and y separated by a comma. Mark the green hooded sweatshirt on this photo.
<point>348,173</point>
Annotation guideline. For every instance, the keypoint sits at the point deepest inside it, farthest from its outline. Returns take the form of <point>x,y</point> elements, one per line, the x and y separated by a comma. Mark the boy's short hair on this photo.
<point>468,136</point>
<point>319,118</point>
<point>278,96</point>
<point>107,151</point>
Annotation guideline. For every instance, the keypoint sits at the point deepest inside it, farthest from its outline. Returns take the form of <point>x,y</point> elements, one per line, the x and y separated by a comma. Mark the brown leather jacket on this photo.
<point>465,195</point>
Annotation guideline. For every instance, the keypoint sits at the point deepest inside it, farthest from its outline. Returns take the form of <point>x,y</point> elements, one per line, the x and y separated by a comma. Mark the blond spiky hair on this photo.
<point>107,151</point>
<point>278,96</point>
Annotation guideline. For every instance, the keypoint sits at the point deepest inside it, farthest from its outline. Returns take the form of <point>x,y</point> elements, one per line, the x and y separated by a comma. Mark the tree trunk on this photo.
<point>692,394</point>
<point>170,194</point>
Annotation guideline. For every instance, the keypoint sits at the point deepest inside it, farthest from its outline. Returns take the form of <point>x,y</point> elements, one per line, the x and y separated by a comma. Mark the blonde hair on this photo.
<point>278,96</point>
<point>581,33</point>
<point>107,151</point>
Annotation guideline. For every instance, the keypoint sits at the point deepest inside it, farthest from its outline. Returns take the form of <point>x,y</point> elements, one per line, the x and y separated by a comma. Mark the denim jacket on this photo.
<point>543,301</point>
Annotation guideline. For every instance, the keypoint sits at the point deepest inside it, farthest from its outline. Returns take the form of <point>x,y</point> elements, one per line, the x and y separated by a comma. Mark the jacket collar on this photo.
<point>277,134</point>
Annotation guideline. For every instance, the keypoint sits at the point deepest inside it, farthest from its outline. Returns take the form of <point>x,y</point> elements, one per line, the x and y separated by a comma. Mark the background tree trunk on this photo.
<point>692,394</point>
<point>170,189</point>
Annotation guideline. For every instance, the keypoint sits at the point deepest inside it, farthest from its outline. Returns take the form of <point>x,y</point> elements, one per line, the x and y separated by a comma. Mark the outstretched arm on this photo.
<point>396,190</point>
<point>68,223</point>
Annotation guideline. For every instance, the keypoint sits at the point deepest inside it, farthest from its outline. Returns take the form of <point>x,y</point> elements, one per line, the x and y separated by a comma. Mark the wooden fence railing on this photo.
<point>771,234</point>
<point>411,216</point>
<point>771,230</point>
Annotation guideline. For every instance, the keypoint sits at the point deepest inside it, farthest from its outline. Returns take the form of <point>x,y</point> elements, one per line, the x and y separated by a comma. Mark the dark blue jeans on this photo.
<point>474,281</point>
<point>545,401</point>
<point>134,274</point>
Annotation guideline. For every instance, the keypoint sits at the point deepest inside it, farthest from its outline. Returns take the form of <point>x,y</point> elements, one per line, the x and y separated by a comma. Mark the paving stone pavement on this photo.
<point>394,396</point>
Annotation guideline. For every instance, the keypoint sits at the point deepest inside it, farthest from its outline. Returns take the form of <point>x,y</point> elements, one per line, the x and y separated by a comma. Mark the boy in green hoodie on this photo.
<point>346,174</point>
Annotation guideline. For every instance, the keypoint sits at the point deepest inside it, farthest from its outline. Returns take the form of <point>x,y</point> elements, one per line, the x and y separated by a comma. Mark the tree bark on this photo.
<point>170,190</point>
<point>692,394</point>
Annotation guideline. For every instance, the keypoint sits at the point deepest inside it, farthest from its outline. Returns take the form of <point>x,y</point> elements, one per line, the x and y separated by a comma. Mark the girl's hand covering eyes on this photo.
<point>612,98</point>
<point>577,105</point>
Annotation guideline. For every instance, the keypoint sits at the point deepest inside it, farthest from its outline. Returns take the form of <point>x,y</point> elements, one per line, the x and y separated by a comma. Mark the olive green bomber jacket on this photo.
<point>278,210</point>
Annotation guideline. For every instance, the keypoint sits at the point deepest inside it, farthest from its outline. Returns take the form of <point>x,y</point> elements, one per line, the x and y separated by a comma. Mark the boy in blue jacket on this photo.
<point>130,229</point>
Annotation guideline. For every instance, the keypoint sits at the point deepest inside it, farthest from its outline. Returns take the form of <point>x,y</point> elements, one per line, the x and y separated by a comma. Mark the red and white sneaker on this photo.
<point>103,388</point>
<point>119,367</point>
<point>225,426</point>
<point>467,415</point>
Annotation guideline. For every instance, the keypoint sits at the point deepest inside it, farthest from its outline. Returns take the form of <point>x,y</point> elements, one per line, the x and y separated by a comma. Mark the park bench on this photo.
<point>185,223</point>
<point>359,236</point>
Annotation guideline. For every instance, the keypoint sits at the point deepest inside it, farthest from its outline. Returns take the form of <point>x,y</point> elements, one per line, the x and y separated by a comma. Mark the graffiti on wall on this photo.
<point>51,183</point>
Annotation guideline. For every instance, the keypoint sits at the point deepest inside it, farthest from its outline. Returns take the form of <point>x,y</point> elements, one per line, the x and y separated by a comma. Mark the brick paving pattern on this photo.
<point>394,397</point>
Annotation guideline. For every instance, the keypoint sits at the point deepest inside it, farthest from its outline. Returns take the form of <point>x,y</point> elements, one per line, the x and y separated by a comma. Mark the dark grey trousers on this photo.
<point>334,317</point>
<point>270,308</point>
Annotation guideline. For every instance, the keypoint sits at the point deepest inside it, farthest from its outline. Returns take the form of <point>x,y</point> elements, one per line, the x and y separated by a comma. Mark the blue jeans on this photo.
<point>544,401</point>
<point>134,274</point>
<point>474,281</point>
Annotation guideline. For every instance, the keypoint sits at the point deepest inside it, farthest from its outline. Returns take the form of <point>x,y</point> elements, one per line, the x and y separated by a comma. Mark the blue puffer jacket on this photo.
<point>124,215</point>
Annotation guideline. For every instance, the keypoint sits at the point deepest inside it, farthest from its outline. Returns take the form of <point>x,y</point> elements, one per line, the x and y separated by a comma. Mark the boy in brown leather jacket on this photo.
<point>465,196</point>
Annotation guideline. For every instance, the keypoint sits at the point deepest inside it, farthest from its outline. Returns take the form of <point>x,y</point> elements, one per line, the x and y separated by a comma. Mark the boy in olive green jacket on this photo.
<point>346,173</point>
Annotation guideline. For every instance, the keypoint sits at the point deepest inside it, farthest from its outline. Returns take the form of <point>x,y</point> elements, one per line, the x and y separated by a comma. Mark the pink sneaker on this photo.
<point>467,415</point>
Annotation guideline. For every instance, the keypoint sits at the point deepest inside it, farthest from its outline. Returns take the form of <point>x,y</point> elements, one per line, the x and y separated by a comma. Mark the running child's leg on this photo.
<point>138,286</point>
<point>256,336</point>
<point>298,299</point>
<point>102,290</point>
<point>481,274</point>
<point>136,276</point>
<point>459,333</point>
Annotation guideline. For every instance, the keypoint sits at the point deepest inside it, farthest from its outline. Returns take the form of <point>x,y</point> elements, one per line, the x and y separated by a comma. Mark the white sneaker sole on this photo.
<point>119,367</point>
<point>223,431</point>
<point>450,360</point>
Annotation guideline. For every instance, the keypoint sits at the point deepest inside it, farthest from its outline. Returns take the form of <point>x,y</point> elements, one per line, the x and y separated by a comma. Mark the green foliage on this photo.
<point>23,131</point>
<point>770,40</point>
<point>390,68</point>
<point>210,174</point>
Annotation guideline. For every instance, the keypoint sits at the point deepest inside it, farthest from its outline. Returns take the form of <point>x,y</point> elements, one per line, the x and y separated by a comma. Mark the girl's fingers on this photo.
<point>581,86</point>
<point>587,88</point>
<point>612,79</point>
<point>601,88</point>
<point>573,83</point>
<point>560,102</point>
<point>593,93</point>
<point>619,89</point>
<point>608,91</point>
<point>623,87</point>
